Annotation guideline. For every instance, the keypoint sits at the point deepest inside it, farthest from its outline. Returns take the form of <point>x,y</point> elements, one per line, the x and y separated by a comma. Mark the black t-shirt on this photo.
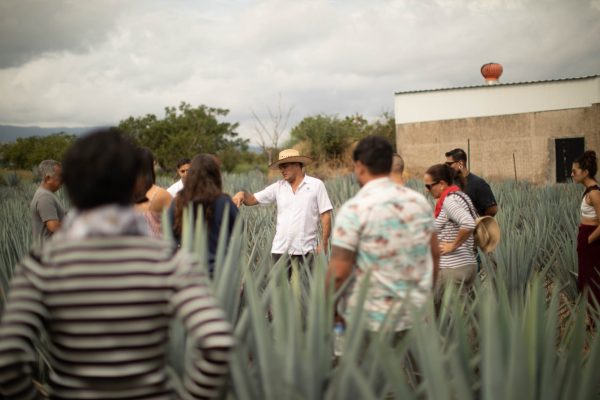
<point>480,193</point>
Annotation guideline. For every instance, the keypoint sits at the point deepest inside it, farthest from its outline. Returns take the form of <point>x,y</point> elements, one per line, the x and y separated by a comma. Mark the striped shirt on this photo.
<point>455,216</point>
<point>106,304</point>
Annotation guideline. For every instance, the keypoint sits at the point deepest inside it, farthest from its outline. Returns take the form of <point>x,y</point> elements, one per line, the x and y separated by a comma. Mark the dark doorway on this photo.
<point>567,150</point>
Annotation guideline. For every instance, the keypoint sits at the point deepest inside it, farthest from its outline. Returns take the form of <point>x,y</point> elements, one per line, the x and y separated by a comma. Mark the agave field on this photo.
<point>524,333</point>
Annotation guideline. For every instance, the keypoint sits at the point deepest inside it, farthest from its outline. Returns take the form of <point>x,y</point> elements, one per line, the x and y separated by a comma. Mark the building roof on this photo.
<point>497,85</point>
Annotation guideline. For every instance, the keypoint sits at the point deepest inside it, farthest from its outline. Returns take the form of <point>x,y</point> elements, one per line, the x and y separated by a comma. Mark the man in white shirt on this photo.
<point>182,167</point>
<point>302,202</point>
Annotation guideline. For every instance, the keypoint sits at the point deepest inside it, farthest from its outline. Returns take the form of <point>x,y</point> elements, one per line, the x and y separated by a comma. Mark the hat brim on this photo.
<point>293,159</point>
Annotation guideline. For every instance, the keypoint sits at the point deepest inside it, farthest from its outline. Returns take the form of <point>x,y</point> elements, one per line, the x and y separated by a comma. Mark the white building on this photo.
<point>533,128</point>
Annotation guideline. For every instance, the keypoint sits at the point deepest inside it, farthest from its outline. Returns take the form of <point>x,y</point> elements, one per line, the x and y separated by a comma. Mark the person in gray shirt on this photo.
<point>46,210</point>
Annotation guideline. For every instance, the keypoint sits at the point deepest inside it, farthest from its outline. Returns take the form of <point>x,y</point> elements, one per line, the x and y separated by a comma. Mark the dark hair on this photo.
<point>443,172</point>
<point>588,162</point>
<point>201,186</point>
<point>101,168</point>
<point>457,155</point>
<point>147,172</point>
<point>183,161</point>
<point>376,153</point>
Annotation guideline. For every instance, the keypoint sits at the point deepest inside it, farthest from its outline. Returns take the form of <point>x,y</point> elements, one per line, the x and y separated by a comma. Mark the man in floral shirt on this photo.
<point>385,232</point>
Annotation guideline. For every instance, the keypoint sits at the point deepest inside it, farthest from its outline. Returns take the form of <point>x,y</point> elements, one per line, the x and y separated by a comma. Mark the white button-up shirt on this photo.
<point>175,188</point>
<point>298,214</point>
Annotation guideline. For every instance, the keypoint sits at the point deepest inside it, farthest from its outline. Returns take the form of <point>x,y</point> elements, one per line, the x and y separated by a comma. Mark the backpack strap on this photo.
<point>473,214</point>
<point>471,211</point>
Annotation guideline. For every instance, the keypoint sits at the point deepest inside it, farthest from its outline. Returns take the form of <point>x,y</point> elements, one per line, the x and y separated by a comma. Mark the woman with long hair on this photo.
<point>588,240</point>
<point>155,199</point>
<point>454,223</point>
<point>203,186</point>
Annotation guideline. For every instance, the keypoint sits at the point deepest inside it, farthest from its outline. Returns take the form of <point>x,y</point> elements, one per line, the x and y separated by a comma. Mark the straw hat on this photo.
<point>290,156</point>
<point>487,233</point>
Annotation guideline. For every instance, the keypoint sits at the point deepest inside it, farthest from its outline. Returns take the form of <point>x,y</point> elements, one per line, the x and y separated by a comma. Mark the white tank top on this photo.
<point>587,211</point>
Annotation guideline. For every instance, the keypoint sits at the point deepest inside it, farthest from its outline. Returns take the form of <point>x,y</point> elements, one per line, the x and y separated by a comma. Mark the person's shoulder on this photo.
<point>223,199</point>
<point>175,187</point>
<point>275,185</point>
<point>44,195</point>
<point>160,199</point>
<point>475,179</point>
<point>312,180</point>
<point>40,191</point>
<point>594,193</point>
<point>411,196</point>
<point>455,198</point>
<point>352,205</point>
<point>162,195</point>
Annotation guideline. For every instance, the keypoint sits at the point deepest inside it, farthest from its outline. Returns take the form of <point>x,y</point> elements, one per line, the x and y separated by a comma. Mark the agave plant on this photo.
<point>521,333</point>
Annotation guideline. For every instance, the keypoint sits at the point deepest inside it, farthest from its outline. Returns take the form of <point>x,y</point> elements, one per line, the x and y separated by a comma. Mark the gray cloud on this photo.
<point>335,57</point>
<point>30,28</point>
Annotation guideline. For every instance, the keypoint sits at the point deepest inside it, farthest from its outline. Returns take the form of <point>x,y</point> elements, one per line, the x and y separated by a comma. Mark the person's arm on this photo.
<point>46,208</point>
<point>340,266</point>
<point>461,237</point>
<point>487,199</point>
<point>491,211</point>
<point>21,323</point>
<point>244,198</point>
<point>594,197</point>
<point>326,228</point>
<point>435,254</point>
<point>209,336</point>
<point>457,213</point>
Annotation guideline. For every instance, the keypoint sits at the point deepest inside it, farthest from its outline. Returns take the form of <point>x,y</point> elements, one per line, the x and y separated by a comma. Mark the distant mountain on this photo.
<point>9,133</point>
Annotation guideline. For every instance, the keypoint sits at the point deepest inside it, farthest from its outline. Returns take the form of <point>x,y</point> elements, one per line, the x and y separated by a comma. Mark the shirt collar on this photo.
<point>377,182</point>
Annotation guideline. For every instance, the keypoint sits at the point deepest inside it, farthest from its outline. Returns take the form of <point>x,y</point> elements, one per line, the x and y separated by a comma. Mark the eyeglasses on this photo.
<point>450,163</point>
<point>429,186</point>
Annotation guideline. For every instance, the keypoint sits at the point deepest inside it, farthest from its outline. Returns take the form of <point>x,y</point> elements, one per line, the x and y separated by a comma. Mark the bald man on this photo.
<point>397,169</point>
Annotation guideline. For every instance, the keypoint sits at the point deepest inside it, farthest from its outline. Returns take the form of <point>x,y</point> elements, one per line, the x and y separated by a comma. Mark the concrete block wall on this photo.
<point>494,140</point>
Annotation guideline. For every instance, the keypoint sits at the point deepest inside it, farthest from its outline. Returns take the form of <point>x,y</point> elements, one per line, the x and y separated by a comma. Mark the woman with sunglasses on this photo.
<point>454,224</point>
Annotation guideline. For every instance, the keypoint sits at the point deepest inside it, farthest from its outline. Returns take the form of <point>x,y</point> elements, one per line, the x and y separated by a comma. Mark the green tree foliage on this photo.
<point>186,131</point>
<point>384,126</point>
<point>26,153</point>
<point>328,136</point>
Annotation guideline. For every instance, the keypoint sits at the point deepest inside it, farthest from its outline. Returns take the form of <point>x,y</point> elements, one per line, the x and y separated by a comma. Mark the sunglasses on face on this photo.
<point>430,185</point>
<point>450,163</point>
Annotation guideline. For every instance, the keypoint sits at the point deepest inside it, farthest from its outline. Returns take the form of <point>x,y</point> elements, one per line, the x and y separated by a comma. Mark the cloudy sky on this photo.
<point>85,63</point>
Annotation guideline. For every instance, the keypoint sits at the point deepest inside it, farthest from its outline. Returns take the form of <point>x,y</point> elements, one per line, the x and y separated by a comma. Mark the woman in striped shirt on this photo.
<point>454,224</point>
<point>105,293</point>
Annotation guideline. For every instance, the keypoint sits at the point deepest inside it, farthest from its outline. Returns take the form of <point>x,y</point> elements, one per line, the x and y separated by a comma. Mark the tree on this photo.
<point>328,137</point>
<point>384,126</point>
<point>184,132</point>
<point>270,132</point>
<point>26,153</point>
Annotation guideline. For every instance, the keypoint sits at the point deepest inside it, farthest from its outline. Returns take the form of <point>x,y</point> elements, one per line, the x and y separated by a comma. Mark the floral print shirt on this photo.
<point>389,228</point>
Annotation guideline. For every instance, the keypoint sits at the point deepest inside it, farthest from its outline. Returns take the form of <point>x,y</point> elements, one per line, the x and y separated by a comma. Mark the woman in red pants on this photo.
<point>588,239</point>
